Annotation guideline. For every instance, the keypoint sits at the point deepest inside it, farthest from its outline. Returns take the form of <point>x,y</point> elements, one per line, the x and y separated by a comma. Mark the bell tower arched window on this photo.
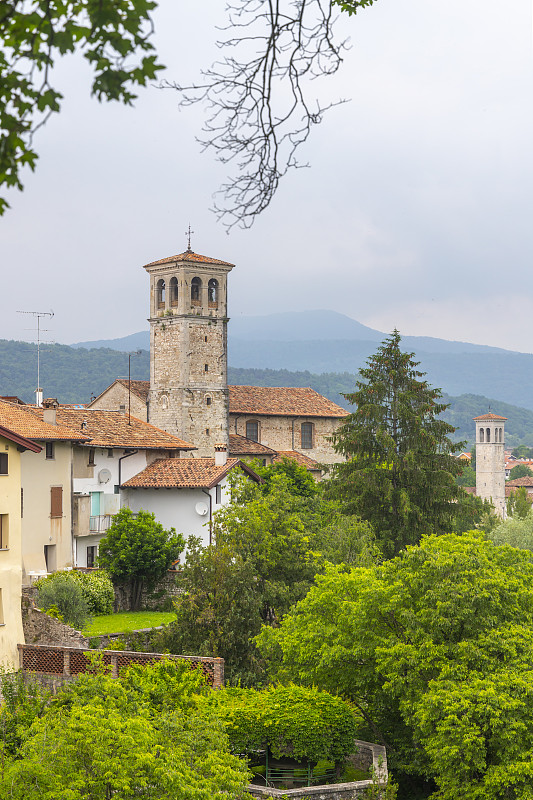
<point>196,290</point>
<point>173,291</point>
<point>212,293</point>
<point>488,434</point>
<point>160,294</point>
<point>482,434</point>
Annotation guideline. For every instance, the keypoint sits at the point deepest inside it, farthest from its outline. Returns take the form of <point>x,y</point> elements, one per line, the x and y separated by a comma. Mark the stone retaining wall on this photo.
<point>366,755</point>
<point>40,628</point>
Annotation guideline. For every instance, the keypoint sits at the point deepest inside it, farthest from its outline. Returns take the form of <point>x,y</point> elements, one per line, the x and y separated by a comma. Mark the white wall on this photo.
<point>176,508</point>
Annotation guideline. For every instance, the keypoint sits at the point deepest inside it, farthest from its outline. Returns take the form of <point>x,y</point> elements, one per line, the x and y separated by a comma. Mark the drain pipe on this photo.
<point>210,516</point>
<point>121,459</point>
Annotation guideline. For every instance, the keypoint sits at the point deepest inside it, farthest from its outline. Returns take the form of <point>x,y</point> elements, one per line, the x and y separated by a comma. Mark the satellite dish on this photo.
<point>104,476</point>
<point>201,509</point>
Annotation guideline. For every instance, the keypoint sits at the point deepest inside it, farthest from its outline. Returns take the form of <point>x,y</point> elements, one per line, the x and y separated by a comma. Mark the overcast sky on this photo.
<point>416,213</point>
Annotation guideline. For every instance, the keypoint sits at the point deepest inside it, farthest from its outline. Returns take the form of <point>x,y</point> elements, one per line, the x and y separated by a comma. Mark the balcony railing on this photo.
<point>100,523</point>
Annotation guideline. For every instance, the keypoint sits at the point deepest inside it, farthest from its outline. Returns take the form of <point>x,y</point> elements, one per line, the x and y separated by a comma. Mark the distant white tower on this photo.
<point>490,460</point>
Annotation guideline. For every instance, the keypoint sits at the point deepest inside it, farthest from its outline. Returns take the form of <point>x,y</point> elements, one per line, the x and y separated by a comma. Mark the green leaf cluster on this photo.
<point>64,597</point>
<point>112,35</point>
<point>434,648</point>
<point>294,721</point>
<point>96,588</point>
<point>144,735</point>
<point>519,503</point>
<point>520,471</point>
<point>137,551</point>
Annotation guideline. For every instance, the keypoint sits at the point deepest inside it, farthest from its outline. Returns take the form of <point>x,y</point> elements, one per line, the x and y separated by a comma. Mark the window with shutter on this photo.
<point>56,501</point>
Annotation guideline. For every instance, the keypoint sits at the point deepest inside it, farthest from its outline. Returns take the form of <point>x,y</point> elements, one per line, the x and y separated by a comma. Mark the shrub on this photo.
<point>96,588</point>
<point>64,595</point>
<point>293,721</point>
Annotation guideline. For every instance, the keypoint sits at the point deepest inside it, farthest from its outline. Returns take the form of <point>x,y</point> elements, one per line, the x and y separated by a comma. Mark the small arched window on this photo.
<point>196,287</point>
<point>252,430</point>
<point>488,434</point>
<point>160,293</point>
<point>501,434</point>
<point>307,435</point>
<point>482,434</point>
<point>173,291</point>
<point>212,293</point>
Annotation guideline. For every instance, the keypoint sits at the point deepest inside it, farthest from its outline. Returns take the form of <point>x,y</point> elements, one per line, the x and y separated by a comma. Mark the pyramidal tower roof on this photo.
<point>190,256</point>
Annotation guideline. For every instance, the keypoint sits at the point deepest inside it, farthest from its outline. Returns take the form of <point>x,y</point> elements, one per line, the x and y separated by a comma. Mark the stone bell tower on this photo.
<point>188,349</point>
<point>490,460</point>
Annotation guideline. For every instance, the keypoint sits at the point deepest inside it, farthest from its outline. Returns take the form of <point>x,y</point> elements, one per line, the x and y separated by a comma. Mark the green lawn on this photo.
<point>127,621</point>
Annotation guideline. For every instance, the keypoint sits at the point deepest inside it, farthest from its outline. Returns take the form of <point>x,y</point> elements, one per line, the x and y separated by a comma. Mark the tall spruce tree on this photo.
<point>400,467</point>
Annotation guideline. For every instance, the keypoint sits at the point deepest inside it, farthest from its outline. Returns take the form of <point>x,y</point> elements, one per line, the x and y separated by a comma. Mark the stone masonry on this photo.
<point>188,349</point>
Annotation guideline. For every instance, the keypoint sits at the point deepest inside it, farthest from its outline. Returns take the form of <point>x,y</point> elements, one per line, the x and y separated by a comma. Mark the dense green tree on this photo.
<point>64,595</point>
<point>300,479</point>
<point>400,468</point>
<point>112,35</point>
<point>515,531</point>
<point>519,503</point>
<point>467,476</point>
<point>520,471</point>
<point>269,532</point>
<point>522,451</point>
<point>218,612</point>
<point>137,551</point>
<point>269,545</point>
<point>144,735</point>
<point>434,647</point>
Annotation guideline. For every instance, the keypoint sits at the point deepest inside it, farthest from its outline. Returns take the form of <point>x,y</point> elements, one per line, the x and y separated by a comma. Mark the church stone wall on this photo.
<point>115,398</point>
<point>284,433</point>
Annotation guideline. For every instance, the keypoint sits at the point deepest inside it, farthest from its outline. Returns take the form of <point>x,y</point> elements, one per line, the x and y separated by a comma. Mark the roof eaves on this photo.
<point>21,441</point>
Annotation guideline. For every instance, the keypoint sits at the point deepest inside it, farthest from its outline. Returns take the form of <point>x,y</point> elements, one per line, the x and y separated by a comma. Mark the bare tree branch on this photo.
<point>257,98</point>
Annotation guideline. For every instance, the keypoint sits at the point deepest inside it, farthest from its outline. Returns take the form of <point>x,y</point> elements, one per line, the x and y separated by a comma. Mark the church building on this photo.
<point>188,394</point>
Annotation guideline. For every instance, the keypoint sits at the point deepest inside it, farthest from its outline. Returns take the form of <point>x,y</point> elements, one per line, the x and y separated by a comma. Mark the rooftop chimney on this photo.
<point>221,455</point>
<point>50,406</point>
<point>39,398</point>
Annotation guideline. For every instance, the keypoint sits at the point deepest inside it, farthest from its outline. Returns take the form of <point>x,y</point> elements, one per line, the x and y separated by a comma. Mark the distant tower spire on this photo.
<point>188,235</point>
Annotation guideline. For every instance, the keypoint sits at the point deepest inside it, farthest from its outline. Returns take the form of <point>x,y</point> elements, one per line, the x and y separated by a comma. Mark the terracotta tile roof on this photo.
<point>21,441</point>
<point>241,446</point>
<point>27,421</point>
<point>300,458</point>
<point>527,480</point>
<point>139,388</point>
<point>13,399</point>
<point>509,490</point>
<point>281,401</point>
<point>112,429</point>
<point>188,255</point>
<point>488,417</point>
<point>469,489</point>
<point>184,473</point>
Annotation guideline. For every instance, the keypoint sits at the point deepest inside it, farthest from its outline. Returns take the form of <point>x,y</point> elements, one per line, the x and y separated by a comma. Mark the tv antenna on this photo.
<point>39,315</point>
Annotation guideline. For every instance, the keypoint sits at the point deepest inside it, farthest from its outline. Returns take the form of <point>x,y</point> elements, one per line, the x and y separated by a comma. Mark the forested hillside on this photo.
<point>74,374</point>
